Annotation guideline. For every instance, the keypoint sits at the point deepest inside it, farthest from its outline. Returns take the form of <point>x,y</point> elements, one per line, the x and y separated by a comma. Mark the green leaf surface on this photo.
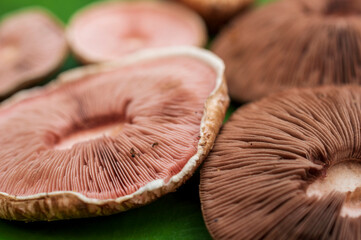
<point>175,216</point>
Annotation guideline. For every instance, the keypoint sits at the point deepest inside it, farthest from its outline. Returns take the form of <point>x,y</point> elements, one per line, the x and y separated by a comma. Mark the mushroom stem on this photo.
<point>343,177</point>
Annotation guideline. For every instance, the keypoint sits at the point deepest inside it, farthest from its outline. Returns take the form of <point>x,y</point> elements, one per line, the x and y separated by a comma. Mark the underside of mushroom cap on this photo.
<point>109,30</point>
<point>106,138</point>
<point>32,46</point>
<point>292,43</point>
<point>287,167</point>
<point>217,12</point>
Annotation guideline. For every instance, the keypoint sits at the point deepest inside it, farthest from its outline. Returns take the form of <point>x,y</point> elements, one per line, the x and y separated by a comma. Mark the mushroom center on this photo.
<point>80,134</point>
<point>135,42</point>
<point>344,177</point>
<point>9,54</point>
<point>135,39</point>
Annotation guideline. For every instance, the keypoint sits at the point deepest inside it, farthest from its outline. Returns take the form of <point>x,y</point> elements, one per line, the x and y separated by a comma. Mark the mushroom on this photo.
<point>292,43</point>
<point>287,167</point>
<point>32,46</point>
<point>106,138</point>
<point>109,30</point>
<point>217,12</point>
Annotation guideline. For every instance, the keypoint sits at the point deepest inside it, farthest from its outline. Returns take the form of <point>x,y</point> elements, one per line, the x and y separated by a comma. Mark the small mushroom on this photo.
<point>109,30</point>
<point>81,146</point>
<point>32,46</point>
<point>217,12</point>
<point>287,167</point>
<point>292,43</point>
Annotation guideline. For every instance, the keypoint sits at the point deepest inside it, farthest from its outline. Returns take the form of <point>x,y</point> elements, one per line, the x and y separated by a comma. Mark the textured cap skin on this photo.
<point>256,182</point>
<point>67,204</point>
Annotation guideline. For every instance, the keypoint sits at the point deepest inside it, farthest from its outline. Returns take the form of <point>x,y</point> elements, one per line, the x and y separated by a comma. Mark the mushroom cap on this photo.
<point>217,12</point>
<point>260,180</point>
<point>109,30</point>
<point>106,138</point>
<point>292,43</point>
<point>32,46</point>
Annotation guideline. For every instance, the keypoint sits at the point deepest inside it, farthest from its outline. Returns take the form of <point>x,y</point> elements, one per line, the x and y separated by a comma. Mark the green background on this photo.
<point>175,216</point>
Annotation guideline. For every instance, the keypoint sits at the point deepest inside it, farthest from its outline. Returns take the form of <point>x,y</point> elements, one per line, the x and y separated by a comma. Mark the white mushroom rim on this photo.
<point>215,62</point>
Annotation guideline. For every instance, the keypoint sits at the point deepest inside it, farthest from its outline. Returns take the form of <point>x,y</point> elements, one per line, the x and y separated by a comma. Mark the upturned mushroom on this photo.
<point>292,43</point>
<point>32,45</point>
<point>287,167</point>
<point>107,138</point>
<point>109,30</point>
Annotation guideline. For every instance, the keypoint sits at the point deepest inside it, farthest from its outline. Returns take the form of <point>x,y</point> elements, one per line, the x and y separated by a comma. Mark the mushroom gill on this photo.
<point>287,167</point>
<point>109,137</point>
<point>292,43</point>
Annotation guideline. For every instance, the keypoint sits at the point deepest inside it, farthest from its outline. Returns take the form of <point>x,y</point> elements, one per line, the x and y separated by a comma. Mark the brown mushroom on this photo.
<point>292,43</point>
<point>287,167</point>
<point>109,30</point>
<point>32,45</point>
<point>106,138</point>
<point>217,12</point>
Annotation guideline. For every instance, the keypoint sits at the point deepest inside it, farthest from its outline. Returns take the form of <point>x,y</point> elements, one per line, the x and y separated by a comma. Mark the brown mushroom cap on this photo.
<point>292,43</point>
<point>32,45</point>
<point>267,176</point>
<point>109,30</point>
<point>217,12</point>
<point>107,138</point>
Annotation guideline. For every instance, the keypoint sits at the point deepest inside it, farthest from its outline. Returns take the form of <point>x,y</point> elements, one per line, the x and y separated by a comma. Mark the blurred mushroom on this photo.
<point>290,44</point>
<point>287,167</point>
<point>109,30</point>
<point>217,12</point>
<point>32,46</point>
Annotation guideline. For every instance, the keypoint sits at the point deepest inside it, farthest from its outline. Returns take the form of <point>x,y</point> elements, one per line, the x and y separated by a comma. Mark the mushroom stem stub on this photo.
<point>344,177</point>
